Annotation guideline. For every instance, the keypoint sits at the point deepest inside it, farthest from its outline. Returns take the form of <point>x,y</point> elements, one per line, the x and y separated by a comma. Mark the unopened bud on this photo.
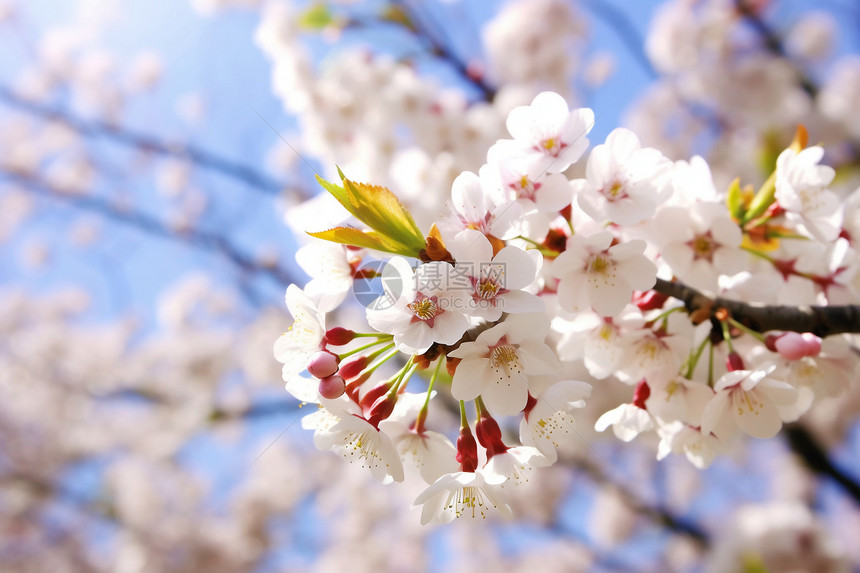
<point>796,345</point>
<point>381,409</point>
<point>467,450</point>
<point>641,394</point>
<point>338,336</point>
<point>332,387</point>
<point>735,362</point>
<point>490,436</point>
<point>352,367</point>
<point>323,364</point>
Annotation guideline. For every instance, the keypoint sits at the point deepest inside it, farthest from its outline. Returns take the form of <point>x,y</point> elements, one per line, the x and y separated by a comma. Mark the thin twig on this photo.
<point>147,143</point>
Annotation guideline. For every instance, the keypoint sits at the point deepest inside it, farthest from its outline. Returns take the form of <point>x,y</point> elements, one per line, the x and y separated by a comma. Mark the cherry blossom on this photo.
<point>460,494</point>
<point>488,284</point>
<point>594,273</point>
<point>498,364</point>
<point>417,316</point>
<point>548,135</point>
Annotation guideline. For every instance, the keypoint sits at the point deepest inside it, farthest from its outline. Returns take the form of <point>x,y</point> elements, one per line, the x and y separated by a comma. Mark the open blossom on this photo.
<point>497,365</point>
<point>594,274</point>
<point>700,243</point>
<point>514,465</point>
<point>330,271</point>
<point>547,134</point>
<point>750,400</point>
<point>460,494</point>
<point>623,182</point>
<point>551,417</point>
<point>477,206</point>
<point>627,421</point>
<point>488,285</point>
<point>359,442</point>
<point>295,347</point>
<point>677,437</point>
<point>801,189</point>
<point>420,314</point>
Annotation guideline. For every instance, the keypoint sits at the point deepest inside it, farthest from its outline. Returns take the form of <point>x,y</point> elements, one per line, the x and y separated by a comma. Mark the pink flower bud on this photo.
<point>734,362</point>
<point>641,394</point>
<point>338,336</point>
<point>332,387</point>
<point>323,364</point>
<point>467,450</point>
<point>797,345</point>
<point>353,366</point>
<point>490,436</point>
<point>381,409</point>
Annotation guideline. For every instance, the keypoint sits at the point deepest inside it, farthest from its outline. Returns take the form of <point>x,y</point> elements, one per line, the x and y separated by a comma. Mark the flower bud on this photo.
<point>338,336</point>
<point>735,362</point>
<point>641,394</point>
<point>332,387</point>
<point>797,345</point>
<point>490,436</point>
<point>381,409</point>
<point>352,367</point>
<point>467,450</point>
<point>323,364</point>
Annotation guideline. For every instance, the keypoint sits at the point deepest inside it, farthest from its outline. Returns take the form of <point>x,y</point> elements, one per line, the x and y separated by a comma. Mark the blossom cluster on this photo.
<point>529,274</point>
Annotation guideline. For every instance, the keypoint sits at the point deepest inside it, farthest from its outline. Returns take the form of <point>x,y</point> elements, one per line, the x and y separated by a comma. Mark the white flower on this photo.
<point>430,453</point>
<point>700,243</point>
<point>359,442</point>
<point>417,316</point>
<point>330,272</point>
<point>600,342</point>
<point>801,189</point>
<point>623,182</point>
<point>484,285</point>
<point>548,135</point>
<point>294,347</point>
<point>551,417</point>
<point>514,465</point>
<point>460,494</point>
<point>498,364</point>
<point>677,437</point>
<point>477,207</point>
<point>595,274</point>
<point>530,187</point>
<point>749,400</point>
<point>627,421</point>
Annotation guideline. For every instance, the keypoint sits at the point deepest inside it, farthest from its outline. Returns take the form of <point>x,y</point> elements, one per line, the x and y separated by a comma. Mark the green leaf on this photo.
<point>735,201</point>
<point>378,208</point>
<point>365,239</point>
<point>316,17</point>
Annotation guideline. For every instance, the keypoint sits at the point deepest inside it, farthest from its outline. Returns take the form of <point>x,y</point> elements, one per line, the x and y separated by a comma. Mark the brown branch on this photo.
<point>819,320</point>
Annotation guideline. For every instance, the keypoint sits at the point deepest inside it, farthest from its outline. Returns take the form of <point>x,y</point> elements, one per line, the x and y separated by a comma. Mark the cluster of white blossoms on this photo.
<point>530,276</point>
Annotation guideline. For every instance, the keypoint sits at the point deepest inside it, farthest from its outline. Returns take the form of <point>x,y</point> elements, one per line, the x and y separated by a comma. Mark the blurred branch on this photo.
<point>626,31</point>
<point>208,241</point>
<point>253,411</point>
<point>820,320</point>
<point>93,128</point>
<point>805,445</point>
<point>773,43</point>
<point>441,50</point>
<point>660,515</point>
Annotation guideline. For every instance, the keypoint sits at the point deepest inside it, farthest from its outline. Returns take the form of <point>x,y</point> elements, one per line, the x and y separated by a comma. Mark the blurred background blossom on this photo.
<point>156,162</point>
